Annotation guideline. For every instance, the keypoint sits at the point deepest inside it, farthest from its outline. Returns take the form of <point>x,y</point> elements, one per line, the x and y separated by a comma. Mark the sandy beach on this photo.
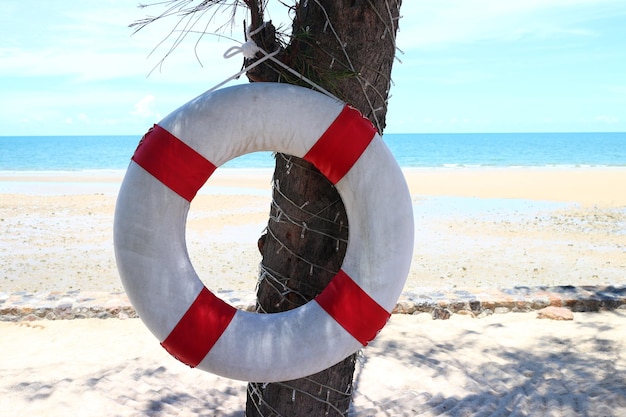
<point>502,365</point>
<point>475,228</point>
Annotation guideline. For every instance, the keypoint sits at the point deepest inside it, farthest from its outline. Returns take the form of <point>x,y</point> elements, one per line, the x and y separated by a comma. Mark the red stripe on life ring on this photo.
<point>342,144</point>
<point>199,328</point>
<point>353,308</point>
<point>178,166</point>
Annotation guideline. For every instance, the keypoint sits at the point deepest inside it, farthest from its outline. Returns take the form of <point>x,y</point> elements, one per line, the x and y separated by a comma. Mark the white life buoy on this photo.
<point>177,156</point>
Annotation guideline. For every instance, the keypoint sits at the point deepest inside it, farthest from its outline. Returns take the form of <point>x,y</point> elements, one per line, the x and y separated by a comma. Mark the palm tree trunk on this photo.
<point>348,48</point>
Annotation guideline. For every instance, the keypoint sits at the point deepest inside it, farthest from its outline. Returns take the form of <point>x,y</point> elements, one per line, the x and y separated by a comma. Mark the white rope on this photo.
<point>255,392</point>
<point>249,49</point>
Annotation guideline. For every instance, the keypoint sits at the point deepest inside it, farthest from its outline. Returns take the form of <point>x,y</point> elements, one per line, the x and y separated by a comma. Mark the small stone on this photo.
<point>404,307</point>
<point>441,313</point>
<point>555,313</point>
<point>485,313</point>
<point>30,317</point>
<point>539,303</point>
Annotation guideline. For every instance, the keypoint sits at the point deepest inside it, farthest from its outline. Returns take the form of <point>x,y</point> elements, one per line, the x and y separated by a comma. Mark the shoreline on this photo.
<point>475,228</point>
<point>601,186</point>
<point>588,186</point>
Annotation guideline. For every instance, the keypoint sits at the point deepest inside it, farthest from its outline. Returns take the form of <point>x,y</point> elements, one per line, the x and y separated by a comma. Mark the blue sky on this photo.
<point>69,67</point>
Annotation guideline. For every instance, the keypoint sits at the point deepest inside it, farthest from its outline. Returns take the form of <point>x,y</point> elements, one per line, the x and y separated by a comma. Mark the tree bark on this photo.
<point>348,48</point>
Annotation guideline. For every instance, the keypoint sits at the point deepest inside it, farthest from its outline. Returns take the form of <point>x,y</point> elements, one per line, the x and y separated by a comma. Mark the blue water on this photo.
<point>77,153</point>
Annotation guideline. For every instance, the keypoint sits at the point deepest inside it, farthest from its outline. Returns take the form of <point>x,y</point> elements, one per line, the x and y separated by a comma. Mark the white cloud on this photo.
<point>435,23</point>
<point>88,43</point>
<point>145,107</point>
<point>61,58</point>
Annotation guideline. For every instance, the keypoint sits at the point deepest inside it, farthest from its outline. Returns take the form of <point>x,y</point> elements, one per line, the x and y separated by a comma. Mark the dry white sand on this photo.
<point>503,365</point>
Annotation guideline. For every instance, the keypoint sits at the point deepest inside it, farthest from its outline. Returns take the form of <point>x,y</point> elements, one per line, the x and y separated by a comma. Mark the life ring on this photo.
<point>177,156</point>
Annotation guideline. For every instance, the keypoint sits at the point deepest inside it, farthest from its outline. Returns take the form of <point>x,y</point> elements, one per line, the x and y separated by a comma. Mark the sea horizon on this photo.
<point>112,153</point>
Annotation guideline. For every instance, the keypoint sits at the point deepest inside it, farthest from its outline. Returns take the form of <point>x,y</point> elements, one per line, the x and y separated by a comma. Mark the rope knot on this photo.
<point>249,49</point>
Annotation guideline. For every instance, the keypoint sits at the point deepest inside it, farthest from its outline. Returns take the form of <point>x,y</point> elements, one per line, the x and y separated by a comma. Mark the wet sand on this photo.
<point>475,228</point>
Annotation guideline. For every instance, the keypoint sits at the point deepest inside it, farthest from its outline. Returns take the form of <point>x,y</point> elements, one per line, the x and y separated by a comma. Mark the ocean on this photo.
<point>94,153</point>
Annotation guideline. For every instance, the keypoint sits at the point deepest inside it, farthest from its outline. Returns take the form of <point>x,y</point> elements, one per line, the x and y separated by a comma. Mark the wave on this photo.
<point>450,151</point>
